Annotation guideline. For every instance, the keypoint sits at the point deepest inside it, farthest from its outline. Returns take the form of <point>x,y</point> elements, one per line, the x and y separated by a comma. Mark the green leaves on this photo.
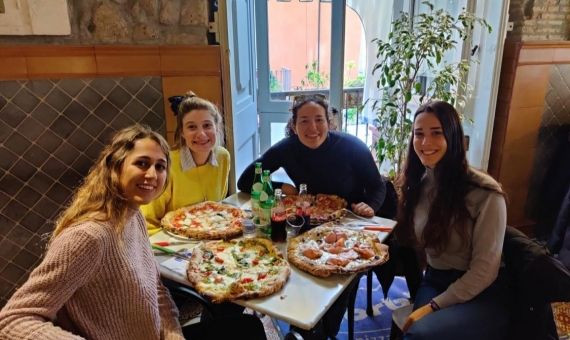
<point>417,46</point>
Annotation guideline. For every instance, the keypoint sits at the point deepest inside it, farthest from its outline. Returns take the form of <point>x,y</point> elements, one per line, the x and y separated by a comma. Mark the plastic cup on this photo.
<point>294,224</point>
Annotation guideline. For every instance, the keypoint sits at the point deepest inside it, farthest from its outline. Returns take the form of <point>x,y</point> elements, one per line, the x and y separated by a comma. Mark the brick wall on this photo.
<point>539,20</point>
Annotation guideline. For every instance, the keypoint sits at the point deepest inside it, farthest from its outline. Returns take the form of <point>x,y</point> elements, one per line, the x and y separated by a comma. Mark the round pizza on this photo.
<point>324,207</point>
<point>327,250</point>
<point>237,269</point>
<point>207,220</point>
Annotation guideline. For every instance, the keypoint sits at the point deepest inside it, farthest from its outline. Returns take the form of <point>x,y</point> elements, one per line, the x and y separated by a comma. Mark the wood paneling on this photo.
<point>203,60</point>
<point>88,61</point>
<point>13,67</point>
<point>208,87</point>
<point>126,61</point>
<point>520,107</point>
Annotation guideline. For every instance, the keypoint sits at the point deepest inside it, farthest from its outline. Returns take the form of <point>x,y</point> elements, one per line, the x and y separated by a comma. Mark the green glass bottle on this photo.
<point>256,189</point>
<point>266,200</point>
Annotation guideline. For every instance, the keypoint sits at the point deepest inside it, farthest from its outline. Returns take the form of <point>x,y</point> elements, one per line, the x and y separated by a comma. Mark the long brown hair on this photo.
<point>99,198</point>
<point>182,105</point>
<point>453,180</point>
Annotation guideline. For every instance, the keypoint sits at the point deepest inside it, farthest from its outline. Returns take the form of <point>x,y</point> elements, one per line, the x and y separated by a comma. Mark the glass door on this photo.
<point>319,46</point>
<point>315,46</point>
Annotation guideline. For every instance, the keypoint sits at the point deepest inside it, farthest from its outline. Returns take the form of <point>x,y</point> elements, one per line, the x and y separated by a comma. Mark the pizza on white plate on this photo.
<point>237,269</point>
<point>328,249</point>
<point>207,221</point>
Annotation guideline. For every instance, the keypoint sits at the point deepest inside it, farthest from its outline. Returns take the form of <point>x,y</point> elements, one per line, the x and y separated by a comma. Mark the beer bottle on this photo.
<point>304,207</point>
<point>278,217</point>
<point>266,200</point>
<point>255,191</point>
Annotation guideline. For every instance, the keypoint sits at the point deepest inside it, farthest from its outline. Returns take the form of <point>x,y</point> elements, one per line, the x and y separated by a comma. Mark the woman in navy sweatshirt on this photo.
<point>329,162</point>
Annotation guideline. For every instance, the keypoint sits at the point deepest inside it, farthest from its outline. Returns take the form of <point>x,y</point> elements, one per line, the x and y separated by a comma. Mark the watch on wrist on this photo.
<point>434,305</point>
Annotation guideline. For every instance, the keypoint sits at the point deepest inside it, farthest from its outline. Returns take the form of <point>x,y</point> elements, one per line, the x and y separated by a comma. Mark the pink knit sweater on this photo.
<point>94,283</point>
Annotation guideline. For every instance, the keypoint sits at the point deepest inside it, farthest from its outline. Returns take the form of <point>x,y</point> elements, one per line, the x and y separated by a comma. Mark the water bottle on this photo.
<point>266,199</point>
<point>304,207</point>
<point>256,189</point>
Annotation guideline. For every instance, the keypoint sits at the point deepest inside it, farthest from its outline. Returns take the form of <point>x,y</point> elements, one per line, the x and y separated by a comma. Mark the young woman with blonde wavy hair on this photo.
<point>99,279</point>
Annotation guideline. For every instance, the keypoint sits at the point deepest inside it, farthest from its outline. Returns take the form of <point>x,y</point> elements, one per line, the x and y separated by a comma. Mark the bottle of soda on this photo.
<point>256,189</point>
<point>266,199</point>
<point>304,207</point>
<point>278,219</point>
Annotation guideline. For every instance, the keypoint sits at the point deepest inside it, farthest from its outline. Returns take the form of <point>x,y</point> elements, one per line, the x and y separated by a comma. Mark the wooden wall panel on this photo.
<point>203,60</point>
<point>208,87</point>
<point>520,107</point>
<point>13,68</point>
<point>87,61</point>
<point>117,60</point>
<point>60,62</point>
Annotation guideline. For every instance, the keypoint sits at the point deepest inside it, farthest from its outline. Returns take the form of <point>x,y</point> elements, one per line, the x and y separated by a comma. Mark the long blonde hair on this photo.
<point>182,105</point>
<point>99,198</point>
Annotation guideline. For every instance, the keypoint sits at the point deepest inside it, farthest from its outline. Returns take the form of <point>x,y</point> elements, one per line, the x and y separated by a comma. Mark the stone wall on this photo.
<point>539,20</point>
<point>130,22</point>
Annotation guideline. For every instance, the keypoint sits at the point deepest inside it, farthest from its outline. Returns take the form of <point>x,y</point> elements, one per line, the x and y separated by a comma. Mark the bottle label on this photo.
<point>263,196</point>
<point>257,187</point>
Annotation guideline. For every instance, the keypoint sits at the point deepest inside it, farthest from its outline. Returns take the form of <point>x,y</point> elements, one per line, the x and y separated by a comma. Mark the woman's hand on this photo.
<point>362,209</point>
<point>416,315</point>
<point>288,189</point>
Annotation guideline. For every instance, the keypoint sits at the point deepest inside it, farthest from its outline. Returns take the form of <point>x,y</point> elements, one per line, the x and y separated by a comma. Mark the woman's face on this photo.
<point>199,131</point>
<point>311,125</point>
<point>429,142</point>
<point>143,173</point>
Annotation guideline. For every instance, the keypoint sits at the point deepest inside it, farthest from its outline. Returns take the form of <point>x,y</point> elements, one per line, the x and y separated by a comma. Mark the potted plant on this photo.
<point>415,46</point>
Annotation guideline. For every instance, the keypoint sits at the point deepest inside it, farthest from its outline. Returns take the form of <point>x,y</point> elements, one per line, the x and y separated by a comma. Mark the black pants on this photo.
<point>243,326</point>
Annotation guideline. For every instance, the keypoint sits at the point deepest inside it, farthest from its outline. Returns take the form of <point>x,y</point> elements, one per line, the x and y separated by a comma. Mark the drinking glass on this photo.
<point>248,227</point>
<point>294,224</point>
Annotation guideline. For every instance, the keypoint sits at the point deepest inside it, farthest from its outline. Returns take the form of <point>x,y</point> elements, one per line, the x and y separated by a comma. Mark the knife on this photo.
<point>378,228</point>
<point>170,252</point>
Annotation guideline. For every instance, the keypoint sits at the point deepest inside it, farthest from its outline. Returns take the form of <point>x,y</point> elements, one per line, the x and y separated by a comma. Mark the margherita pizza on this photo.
<point>237,269</point>
<point>327,250</point>
<point>206,220</point>
<point>324,208</point>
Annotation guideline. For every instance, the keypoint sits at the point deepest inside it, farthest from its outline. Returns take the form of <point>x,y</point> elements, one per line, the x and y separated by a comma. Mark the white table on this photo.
<point>303,300</point>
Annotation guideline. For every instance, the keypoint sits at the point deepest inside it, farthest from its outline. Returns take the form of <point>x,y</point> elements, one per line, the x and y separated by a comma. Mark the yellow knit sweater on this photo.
<point>202,183</point>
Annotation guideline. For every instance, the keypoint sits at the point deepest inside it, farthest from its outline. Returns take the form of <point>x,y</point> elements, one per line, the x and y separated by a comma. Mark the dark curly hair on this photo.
<point>298,102</point>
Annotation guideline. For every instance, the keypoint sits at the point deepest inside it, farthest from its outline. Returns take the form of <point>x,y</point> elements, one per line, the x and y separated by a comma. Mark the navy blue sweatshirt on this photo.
<point>342,165</point>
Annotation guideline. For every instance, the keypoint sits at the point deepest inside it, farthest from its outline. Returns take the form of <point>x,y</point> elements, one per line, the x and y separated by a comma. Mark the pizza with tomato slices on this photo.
<point>327,250</point>
<point>206,221</point>
<point>237,269</point>
<point>324,208</point>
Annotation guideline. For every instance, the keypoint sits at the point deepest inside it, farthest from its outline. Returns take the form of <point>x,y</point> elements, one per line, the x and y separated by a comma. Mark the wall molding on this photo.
<point>40,61</point>
<point>543,52</point>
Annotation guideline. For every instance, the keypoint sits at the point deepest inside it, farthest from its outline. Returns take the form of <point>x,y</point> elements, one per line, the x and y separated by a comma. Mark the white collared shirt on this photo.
<point>187,161</point>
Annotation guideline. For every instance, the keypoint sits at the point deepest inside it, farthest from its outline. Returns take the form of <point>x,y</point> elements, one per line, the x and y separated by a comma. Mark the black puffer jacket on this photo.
<point>536,279</point>
<point>559,243</point>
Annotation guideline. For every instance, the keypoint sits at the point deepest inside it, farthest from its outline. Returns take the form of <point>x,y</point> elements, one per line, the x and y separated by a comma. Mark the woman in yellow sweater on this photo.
<point>200,166</point>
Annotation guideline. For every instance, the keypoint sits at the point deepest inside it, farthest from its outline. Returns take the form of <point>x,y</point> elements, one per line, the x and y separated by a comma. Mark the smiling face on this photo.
<point>311,125</point>
<point>143,173</point>
<point>429,141</point>
<point>199,131</point>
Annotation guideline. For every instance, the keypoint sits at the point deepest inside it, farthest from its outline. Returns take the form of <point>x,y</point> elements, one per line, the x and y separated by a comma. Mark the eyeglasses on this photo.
<point>302,98</point>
